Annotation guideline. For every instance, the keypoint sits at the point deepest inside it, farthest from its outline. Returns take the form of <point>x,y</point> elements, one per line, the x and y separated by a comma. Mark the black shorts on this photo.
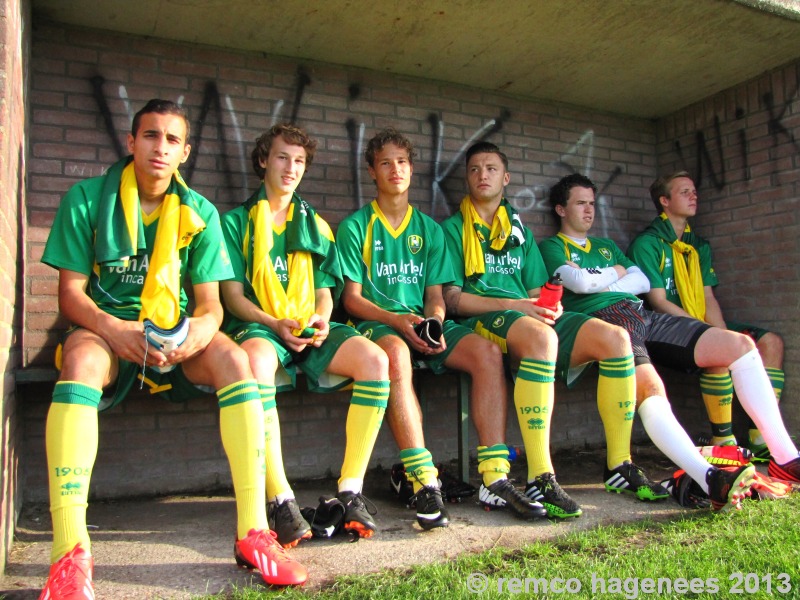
<point>664,339</point>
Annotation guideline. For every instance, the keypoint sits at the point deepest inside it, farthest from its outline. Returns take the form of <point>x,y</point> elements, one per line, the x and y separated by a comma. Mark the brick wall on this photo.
<point>86,86</point>
<point>743,146</point>
<point>13,46</point>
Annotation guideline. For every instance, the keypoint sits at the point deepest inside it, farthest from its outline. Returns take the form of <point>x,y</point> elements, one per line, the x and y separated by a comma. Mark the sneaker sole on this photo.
<point>556,512</point>
<point>360,529</point>
<point>647,496</point>
<point>526,516</point>
<point>777,472</point>
<point>306,536</point>
<point>428,525</point>
<point>739,489</point>
<point>243,563</point>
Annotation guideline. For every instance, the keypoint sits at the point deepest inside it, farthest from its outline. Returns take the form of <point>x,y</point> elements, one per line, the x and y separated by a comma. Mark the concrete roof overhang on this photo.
<point>644,58</point>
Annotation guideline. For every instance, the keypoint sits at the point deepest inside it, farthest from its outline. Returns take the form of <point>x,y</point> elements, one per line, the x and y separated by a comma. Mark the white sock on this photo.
<point>351,485</point>
<point>665,431</point>
<point>281,498</point>
<point>754,390</point>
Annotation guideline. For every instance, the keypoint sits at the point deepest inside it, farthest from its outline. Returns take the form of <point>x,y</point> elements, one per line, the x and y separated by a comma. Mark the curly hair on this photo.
<point>291,134</point>
<point>385,136</point>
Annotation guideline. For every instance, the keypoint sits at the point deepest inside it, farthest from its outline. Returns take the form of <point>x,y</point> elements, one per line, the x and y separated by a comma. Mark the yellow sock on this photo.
<point>717,391</point>
<point>493,463</point>
<point>420,471</point>
<point>364,418</point>
<point>616,402</point>
<point>71,441</point>
<point>533,399</point>
<point>273,456</point>
<point>241,423</point>
<point>777,379</point>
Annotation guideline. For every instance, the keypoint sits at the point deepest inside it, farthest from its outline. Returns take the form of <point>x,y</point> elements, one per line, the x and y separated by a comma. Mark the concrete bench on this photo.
<point>40,375</point>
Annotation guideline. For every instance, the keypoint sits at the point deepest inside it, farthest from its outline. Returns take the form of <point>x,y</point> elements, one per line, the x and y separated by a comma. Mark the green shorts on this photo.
<point>173,386</point>
<point>453,332</point>
<point>313,362</point>
<point>494,326</point>
<point>750,330</point>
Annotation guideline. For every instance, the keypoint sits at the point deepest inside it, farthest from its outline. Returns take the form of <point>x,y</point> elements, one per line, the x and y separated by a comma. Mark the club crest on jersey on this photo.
<point>605,253</point>
<point>498,322</point>
<point>414,243</point>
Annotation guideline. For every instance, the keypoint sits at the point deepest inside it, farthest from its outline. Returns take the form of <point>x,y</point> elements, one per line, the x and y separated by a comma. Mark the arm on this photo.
<point>361,308</point>
<point>657,298</point>
<point>465,304</point>
<point>203,324</point>
<point>125,338</point>
<point>631,279</point>
<point>321,320</point>
<point>633,282</point>
<point>713,310</point>
<point>242,308</point>
<point>588,281</point>
<point>434,307</point>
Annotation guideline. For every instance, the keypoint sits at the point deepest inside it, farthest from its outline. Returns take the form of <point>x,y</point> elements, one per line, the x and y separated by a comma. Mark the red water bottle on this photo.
<point>551,292</point>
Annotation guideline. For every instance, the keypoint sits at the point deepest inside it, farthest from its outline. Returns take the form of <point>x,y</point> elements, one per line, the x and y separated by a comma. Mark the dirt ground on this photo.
<point>182,546</point>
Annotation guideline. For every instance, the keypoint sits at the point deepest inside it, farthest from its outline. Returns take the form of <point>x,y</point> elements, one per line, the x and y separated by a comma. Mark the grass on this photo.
<point>763,539</point>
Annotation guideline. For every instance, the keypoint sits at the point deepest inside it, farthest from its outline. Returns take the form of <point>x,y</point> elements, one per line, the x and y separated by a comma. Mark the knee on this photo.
<point>771,344</point>
<point>373,365</point>
<point>538,341</point>
<point>227,356</point>
<point>397,353</point>
<point>86,362</point>
<point>482,355</point>
<point>614,342</point>
<point>742,344</point>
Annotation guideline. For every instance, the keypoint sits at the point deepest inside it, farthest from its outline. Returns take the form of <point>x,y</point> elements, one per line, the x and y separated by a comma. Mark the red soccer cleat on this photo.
<point>261,551</point>
<point>789,471</point>
<point>70,577</point>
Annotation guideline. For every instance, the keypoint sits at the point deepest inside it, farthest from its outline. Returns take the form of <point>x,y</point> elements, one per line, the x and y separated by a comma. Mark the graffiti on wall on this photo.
<point>446,186</point>
<point>218,115</point>
<point>710,164</point>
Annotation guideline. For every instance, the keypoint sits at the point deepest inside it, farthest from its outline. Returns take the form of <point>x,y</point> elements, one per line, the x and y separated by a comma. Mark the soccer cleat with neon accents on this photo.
<point>430,508</point>
<point>261,551</point>
<point>545,490</point>
<point>630,479</point>
<point>726,455</point>
<point>357,516</point>
<point>503,494</point>
<point>727,486</point>
<point>760,452</point>
<point>70,577</point>
<point>287,523</point>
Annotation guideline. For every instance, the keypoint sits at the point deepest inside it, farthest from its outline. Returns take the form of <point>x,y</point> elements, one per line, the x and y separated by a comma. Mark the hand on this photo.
<point>405,324</point>
<point>323,329</point>
<point>126,340</point>
<point>201,331</point>
<point>540,313</point>
<point>295,343</point>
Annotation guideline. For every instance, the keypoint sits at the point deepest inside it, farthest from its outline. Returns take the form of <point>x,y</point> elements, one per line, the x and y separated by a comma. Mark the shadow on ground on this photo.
<point>182,546</point>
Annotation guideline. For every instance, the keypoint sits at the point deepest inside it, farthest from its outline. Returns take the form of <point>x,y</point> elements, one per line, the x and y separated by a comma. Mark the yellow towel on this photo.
<point>298,301</point>
<point>472,238</point>
<point>688,278</point>
<point>177,225</point>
